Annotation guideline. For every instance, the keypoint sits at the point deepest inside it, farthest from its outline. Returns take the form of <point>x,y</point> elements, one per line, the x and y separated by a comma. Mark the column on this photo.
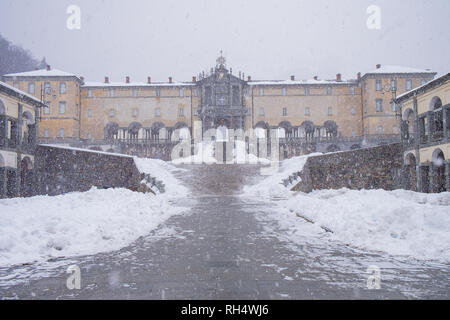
<point>447,176</point>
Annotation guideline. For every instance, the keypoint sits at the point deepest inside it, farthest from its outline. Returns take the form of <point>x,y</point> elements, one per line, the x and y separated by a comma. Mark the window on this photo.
<point>62,87</point>
<point>195,92</point>
<point>365,107</point>
<point>89,93</point>
<point>395,130</point>
<point>111,92</point>
<point>378,85</point>
<point>393,84</point>
<point>307,91</point>
<point>181,111</point>
<point>422,82</point>
<point>330,111</point>
<point>236,96</point>
<point>135,92</point>
<point>283,91</point>
<point>47,107</point>
<point>135,112</point>
<point>196,112</point>
<point>89,136</point>
<point>353,133</point>
<point>393,106</point>
<point>46,133</point>
<point>284,112</point>
<point>307,111</point>
<point>181,92</point>
<point>62,107</point>
<point>352,91</point>
<point>158,112</point>
<point>379,105</point>
<point>47,88</point>
<point>89,113</point>
<point>111,112</point>
<point>31,87</point>
<point>408,84</point>
<point>352,111</point>
<point>158,92</point>
<point>61,133</point>
<point>261,91</point>
<point>261,111</point>
<point>380,129</point>
<point>329,91</point>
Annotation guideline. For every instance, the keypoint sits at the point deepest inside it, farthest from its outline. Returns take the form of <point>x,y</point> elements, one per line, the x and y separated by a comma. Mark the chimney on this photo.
<point>315,78</point>
<point>82,80</point>
<point>378,66</point>
<point>106,79</point>
<point>127,79</point>
<point>149,80</point>
<point>249,78</point>
<point>292,78</point>
<point>170,79</point>
<point>48,67</point>
<point>231,70</point>
<point>338,77</point>
<point>358,76</point>
<point>194,79</point>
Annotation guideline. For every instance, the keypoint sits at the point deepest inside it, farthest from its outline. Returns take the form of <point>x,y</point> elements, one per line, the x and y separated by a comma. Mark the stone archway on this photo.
<point>26,177</point>
<point>410,172</point>
<point>438,171</point>
<point>111,131</point>
<point>133,130</point>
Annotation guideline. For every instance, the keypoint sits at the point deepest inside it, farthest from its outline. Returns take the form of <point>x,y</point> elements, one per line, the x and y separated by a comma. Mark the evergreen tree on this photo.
<point>14,58</point>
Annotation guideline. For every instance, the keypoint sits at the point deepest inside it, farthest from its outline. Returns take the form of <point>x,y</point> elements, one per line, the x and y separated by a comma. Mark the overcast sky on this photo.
<point>264,39</point>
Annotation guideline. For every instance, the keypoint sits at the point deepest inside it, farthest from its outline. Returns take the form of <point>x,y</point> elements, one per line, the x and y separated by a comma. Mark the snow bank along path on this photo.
<point>81,223</point>
<point>397,222</point>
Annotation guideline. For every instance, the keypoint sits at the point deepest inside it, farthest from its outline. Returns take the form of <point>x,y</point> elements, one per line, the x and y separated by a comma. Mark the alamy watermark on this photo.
<point>374,18</point>
<point>374,278</point>
<point>73,282</point>
<point>73,22</point>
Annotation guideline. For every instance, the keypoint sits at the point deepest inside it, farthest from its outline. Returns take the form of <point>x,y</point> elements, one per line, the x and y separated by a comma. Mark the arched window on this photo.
<point>437,118</point>
<point>438,159</point>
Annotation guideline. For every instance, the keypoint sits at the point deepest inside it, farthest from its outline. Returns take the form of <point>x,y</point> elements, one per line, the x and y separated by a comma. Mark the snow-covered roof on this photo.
<point>398,69</point>
<point>429,85</point>
<point>137,84</point>
<point>299,82</point>
<point>42,73</point>
<point>20,92</point>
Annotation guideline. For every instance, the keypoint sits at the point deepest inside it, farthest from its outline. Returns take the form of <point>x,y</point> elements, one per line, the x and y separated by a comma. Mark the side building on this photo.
<point>426,136</point>
<point>18,136</point>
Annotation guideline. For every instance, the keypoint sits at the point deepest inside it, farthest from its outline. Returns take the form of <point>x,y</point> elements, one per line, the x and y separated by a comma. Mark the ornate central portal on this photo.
<point>222,99</point>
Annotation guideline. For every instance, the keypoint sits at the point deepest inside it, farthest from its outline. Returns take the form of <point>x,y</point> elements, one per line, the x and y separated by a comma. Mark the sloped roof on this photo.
<point>20,93</point>
<point>42,73</point>
<point>398,69</point>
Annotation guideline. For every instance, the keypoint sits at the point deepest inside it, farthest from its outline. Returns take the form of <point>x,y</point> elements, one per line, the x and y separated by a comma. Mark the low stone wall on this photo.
<point>60,170</point>
<point>371,168</point>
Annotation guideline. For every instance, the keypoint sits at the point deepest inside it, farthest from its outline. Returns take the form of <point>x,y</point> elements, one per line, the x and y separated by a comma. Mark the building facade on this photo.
<point>18,136</point>
<point>322,115</point>
<point>426,136</point>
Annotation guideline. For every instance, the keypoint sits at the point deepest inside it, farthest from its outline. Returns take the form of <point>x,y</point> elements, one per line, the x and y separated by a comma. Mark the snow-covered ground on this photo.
<point>82,223</point>
<point>271,186</point>
<point>396,222</point>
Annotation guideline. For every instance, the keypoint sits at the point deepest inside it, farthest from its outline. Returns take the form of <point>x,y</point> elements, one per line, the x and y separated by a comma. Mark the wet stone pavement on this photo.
<point>220,249</point>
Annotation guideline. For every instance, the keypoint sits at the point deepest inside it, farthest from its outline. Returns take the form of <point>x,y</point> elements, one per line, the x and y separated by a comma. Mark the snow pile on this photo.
<point>397,222</point>
<point>79,223</point>
<point>162,171</point>
<point>272,185</point>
